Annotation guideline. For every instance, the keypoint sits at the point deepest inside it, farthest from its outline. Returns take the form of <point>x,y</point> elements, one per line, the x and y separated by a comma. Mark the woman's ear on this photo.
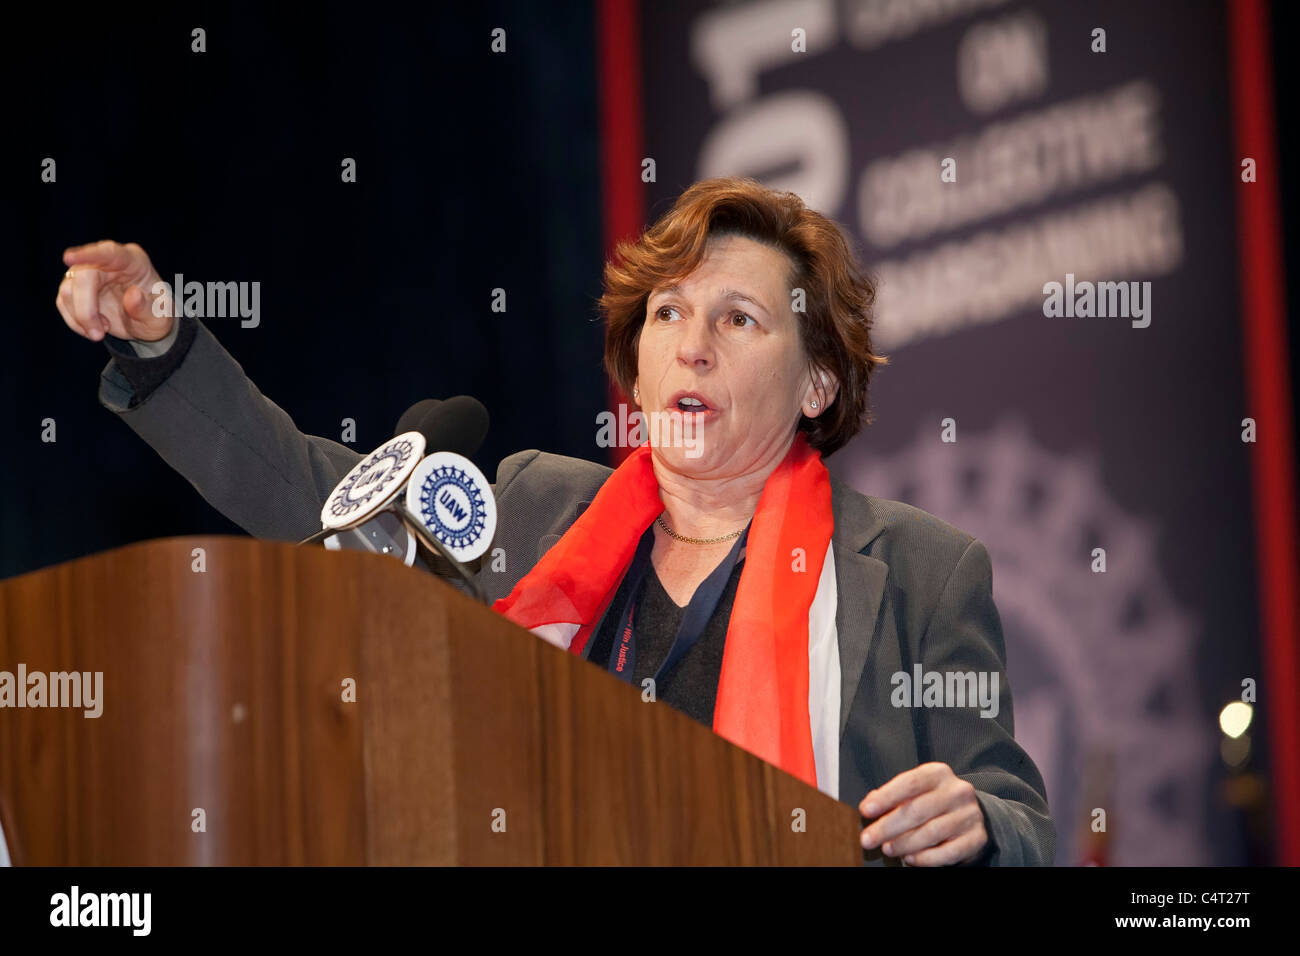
<point>823,386</point>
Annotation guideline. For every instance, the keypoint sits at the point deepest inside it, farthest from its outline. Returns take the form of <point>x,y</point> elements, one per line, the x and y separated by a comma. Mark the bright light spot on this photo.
<point>1235,718</point>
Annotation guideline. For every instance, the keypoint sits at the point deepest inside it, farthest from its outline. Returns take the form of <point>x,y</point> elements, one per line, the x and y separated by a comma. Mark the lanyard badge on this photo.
<point>695,617</point>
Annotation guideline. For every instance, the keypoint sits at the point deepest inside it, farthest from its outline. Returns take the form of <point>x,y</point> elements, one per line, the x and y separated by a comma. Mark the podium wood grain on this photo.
<point>470,740</point>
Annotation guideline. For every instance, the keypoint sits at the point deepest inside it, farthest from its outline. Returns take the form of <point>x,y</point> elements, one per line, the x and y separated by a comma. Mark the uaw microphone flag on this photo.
<point>447,502</point>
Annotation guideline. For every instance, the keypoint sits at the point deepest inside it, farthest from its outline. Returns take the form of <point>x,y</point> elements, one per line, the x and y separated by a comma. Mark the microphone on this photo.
<point>459,424</point>
<point>448,502</point>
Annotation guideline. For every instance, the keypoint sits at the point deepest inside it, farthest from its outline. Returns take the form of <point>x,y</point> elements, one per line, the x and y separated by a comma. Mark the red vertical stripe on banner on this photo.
<point>1268,399</point>
<point>619,58</point>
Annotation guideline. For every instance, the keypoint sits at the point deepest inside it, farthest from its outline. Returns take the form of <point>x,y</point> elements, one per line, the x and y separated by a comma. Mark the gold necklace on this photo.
<point>681,537</point>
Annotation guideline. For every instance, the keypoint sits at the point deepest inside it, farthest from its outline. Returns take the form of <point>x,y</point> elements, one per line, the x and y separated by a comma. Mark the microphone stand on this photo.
<point>425,535</point>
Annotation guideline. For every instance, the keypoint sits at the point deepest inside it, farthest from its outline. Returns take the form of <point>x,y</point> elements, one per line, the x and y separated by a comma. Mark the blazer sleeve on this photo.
<point>965,634</point>
<point>238,449</point>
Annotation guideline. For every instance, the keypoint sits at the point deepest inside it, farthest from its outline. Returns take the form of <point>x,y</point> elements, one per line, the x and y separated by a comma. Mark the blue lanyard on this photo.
<point>695,617</point>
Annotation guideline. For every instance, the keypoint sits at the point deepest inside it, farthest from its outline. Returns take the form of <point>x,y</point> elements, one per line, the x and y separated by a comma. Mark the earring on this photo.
<point>814,403</point>
<point>636,393</point>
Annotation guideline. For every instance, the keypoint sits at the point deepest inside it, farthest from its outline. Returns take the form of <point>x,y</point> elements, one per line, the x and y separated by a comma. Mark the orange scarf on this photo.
<point>762,700</point>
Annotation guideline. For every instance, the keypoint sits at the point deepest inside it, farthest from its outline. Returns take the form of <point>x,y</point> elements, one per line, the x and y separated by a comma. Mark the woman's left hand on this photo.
<point>927,815</point>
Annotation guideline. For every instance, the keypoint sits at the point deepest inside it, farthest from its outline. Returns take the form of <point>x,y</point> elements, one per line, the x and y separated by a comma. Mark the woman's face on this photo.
<point>727,336</point>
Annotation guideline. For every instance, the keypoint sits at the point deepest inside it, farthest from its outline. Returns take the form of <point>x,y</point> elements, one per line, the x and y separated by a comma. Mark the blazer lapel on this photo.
<point>545,543</point>
<point>859,585</point>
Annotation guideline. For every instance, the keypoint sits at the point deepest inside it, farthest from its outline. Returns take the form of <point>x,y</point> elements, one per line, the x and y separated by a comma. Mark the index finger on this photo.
<point>106,253</point>
<point>905,786</point>
<point>85,296</point>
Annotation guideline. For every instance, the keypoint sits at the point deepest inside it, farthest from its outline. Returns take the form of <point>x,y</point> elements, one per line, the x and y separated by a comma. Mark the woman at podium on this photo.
<point>720,566</point>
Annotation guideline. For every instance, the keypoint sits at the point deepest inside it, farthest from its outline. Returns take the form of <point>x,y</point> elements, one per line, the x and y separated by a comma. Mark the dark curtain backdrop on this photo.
<point>476,171</point>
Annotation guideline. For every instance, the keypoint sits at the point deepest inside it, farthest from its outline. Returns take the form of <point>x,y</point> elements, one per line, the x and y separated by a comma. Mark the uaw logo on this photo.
<point>447,494</point>
<point>373,481</point>
<point>451,503</point>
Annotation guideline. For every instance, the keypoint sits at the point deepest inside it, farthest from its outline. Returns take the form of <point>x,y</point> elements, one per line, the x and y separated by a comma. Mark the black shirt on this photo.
<point>692,685</point>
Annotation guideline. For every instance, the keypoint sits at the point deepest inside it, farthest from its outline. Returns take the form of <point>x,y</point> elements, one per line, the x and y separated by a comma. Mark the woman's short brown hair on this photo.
<point>835,326</point>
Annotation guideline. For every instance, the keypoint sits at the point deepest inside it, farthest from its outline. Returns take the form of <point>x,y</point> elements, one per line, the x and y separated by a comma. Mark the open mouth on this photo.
<point>690,403</point>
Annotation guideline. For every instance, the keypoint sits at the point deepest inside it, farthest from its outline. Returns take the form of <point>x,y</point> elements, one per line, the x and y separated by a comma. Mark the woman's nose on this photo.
<point>696,342</point>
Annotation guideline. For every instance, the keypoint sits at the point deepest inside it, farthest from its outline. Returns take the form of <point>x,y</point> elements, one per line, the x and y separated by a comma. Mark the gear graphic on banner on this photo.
<point>1100,663</point>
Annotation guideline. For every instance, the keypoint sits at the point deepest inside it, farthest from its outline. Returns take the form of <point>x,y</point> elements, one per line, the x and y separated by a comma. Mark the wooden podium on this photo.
<point>228,735</point>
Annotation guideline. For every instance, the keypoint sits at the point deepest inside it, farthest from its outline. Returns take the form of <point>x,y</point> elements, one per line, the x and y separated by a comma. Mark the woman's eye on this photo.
<point>664,308</point>
<point>743,317</point>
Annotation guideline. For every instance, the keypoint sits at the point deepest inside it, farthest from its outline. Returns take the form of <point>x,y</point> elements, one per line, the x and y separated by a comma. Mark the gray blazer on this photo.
<point>911,588</point>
